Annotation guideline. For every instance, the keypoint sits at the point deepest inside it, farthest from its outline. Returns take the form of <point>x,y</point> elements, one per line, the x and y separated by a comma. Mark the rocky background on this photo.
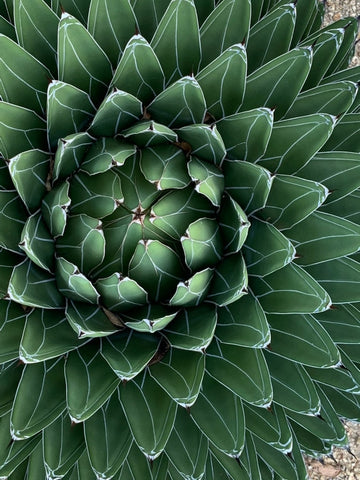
<point>344,465</point>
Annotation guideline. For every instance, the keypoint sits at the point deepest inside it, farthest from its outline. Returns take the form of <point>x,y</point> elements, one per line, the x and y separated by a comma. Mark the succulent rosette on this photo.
<point>179,210</point>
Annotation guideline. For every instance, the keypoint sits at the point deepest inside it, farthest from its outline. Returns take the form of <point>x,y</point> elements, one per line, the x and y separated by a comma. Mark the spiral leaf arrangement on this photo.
<point>180,210</point>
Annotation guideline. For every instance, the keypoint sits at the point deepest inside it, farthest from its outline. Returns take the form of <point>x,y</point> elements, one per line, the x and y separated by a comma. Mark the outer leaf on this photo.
<point>301,338</point>
<point>24,287</point>
<point>13,216</point>
<point>263,259</point>
<point>55,207</point>
<point>187,447</point>
<point>176,40</point>
<point>70,153</point>
<point>32,413</point>
<point>146,134</point>
<point>105,154</point>
<point>194,290</point>
<point>219,414</point>
<point>138,466</point>
<point>81,62</point>
<point>20,130</point>
<point>292,385</point>
<point>208,179</point>
<point>88,320</point>
<point>111,24</point>
<point>10,374</point>
<point>294,141</point>
<point>36,29</point>
<point>180,374</point>
<point>342,323</point>
<point>150,413</point>
<point>23,79</point>
<point>129,353</point>
<point>223,82</point>
<point>12,321</point>
<point>37,243</point>
<point>89,382</point>
<point>69,110</point>
<point>121,293</point>
<point>108,438</point>
<point>345,136</point>
<point>46,335</point>
<point>241,370</point>
<point>193,328</point>
<point>149,319</point>
<point>279,462</point>
<point>299,292</point>
<point>8,261</point>
<point>139,71</point>
<point>269,85</point>
<point>227,25</point>
<point>243,323</point>
<point>63,443</point>
<point>234,224</point>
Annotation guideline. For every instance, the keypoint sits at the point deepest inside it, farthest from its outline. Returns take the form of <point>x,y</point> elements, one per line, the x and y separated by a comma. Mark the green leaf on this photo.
<point>121,293</point>
<point>139,72</point>
<point>119,110</point>
<point>54,209</point>
<point>89,382</point>
<point>37,242</point>
<point>156,267</point>
<point>10,374</point>
<point>24,287</point>
<point>108,438</point>
<point>280,463</point>
<point>342,323</point>
<point>223,82</point>
<point>36,28</point>
<point>29,171</point>
<point>305,10</point>
<point>78,9</point>
<point>345,136</point>
<point>149,319</point>
<point>63,443</point>
<point>271,425</point>
<point>83,242</point>
<point>128,353</point>
<point>111,24</point>
<point>349,74</point>
<point>23,79</point>
<point>176,40</point>
<point>12,321</point>
<point>74,284</point>
<point>193,328</point>
<point>243,323</point>
<point>149,14</point>
<point>292,199</point>
<point>81,61</point>
<point>230,280</point>
<point>339,171</point>
<point>13,452</point>
<point>277,83</point>
<point>345,404</point>
<point>13,217</point>
<point>227,25</point>
<point>290,290</point>
<point>295,141</point>
<point>165,166</point>
<point>70,153</point>
<point>209,181</point>
<point>8,261</point>
<point>234,224</point>
<point>20,130</point>
<point>263,258</point>
<point>82,469</point>
<point>248,184</point>
<point>88,320</point>
<point>202,244</point>
<point>293,388</point>
<point>345,52</point>
<point>138,466</point>
<point>143,402</point>
<point>271,36</point>
<point>193,291</point>
<point>105,154</point>
<point>46,335</point>
<point>246,134</point>
<point>301,338</point>
<point>227,467</point>
<point>146,134</point>
<point>95,195</point>
<point>32,413</point>
<point>180,374</point>
<point>335,99</point>
<point>347,207</point>
<point>242,370</point>
<point>187,447</point>
<point>7,29</point>
<point>321,237</point>
<point>180,104</point>
<point>69,110</point>
<point>219,414</point>
<point>340,277</point>
<point>205,141</point>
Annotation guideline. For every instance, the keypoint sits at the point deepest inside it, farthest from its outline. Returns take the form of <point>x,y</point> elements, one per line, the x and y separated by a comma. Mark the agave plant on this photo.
<point>179,209</point>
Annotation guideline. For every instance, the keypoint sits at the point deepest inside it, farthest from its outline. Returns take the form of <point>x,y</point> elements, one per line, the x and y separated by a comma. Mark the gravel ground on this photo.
<point>344,465</point>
